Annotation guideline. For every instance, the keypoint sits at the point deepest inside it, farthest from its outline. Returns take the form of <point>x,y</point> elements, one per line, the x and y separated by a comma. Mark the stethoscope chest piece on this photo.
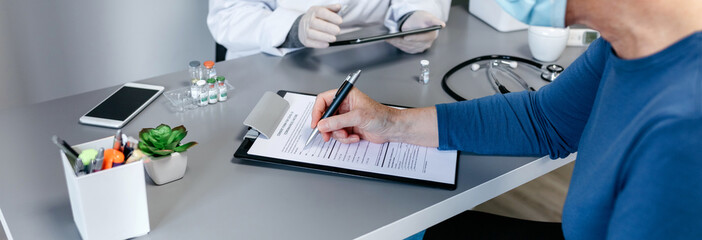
<point>552,72</point>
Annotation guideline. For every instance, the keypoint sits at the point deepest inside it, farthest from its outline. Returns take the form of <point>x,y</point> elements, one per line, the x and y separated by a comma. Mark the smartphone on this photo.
<point>121,106</point>
<point>385,36</point>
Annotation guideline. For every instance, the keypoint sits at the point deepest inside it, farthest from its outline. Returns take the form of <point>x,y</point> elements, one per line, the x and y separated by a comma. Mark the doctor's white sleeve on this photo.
<point>249,27</point>
<point>398,8</point>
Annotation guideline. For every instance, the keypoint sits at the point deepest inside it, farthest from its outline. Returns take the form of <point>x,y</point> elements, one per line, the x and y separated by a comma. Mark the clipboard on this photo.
<point>252,135</point>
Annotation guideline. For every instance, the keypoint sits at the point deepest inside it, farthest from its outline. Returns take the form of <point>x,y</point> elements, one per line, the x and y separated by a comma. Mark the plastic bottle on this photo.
<point>210,71</point>
<point>222,89</point>
<point>204,93</point>
<point>212,90</point>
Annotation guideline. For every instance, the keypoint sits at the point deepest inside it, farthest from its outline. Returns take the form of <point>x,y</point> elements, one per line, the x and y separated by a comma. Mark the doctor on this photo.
<point>279,27</point>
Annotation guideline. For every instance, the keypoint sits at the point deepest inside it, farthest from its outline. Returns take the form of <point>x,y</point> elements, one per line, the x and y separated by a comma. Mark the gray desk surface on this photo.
<point>223,197</point>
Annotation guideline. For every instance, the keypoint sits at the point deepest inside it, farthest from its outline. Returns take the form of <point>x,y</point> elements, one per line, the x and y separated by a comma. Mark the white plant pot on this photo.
<point>166,169</point>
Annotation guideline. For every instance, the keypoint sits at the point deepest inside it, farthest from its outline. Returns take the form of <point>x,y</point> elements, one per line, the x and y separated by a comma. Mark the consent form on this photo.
<point>391,158</point>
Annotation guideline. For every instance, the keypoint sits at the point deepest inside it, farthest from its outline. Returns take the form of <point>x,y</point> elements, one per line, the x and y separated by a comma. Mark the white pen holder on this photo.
<point>109,204</point>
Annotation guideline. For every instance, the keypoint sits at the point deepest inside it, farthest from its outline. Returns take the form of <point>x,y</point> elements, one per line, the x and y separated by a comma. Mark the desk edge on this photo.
<point>467,200</point>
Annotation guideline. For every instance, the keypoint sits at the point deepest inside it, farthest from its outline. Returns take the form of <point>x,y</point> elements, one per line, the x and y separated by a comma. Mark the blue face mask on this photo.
<point>547,13</point>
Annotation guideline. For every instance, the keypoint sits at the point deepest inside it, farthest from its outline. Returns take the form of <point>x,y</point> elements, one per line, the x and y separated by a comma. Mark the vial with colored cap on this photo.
<point>210,71</point>
<point>212,90</point>
<point>222,89</point>
<point>424,72</point>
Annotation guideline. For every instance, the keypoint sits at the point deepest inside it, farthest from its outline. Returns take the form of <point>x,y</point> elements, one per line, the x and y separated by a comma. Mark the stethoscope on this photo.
<point>503,64</point>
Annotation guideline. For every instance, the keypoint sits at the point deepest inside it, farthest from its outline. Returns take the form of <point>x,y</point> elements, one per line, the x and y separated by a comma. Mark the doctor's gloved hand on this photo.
<point>319,26</point>
<point>417,43</point>
<point>359,117</point>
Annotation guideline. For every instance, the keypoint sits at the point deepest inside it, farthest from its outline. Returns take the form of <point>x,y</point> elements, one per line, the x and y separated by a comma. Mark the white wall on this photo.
<point>10,93</point>
<point>55,48</point>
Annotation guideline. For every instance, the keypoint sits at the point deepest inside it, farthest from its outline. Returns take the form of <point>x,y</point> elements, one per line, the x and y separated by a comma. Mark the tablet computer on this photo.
<point>391,161</point>
<point>365,39</point>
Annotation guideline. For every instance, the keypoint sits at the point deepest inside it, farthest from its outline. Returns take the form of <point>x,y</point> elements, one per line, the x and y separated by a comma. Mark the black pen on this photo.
<point>70,153</point>
<point>338,98</point>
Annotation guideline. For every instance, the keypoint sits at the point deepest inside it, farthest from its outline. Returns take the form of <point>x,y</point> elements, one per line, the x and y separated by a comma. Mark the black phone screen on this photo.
<point>122,103</point>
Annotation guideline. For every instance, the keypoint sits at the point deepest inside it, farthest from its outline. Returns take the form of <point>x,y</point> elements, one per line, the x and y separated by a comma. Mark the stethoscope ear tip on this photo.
<point>474,67</point>
<point>513,64</point>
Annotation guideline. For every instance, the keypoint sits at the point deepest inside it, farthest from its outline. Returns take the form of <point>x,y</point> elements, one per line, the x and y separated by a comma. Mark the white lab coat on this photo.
<point>247,27</point>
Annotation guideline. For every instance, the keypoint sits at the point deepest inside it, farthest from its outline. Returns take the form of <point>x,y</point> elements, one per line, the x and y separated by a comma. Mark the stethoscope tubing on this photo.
<point>454,95</point>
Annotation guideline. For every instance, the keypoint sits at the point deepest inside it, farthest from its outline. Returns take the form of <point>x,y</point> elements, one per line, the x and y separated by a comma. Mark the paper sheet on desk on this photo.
<point>396,159</point>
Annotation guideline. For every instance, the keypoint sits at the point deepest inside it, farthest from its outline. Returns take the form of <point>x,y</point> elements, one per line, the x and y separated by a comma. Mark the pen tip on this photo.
<point>309,140</point>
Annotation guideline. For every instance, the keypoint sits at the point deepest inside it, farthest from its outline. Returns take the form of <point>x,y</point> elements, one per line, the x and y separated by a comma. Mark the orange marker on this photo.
<point>113,158</point>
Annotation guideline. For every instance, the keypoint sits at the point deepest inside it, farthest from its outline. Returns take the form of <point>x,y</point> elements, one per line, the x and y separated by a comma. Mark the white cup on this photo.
<point>547,43</point>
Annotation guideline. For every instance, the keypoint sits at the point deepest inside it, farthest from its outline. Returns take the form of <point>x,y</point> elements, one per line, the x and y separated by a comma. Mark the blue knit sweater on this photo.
<point>637,128</point>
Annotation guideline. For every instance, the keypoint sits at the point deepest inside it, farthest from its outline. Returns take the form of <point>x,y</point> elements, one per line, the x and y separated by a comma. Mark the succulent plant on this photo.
<point>162,140</point>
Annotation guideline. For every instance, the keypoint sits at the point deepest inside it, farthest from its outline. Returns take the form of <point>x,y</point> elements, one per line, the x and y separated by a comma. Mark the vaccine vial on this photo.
<point>204,93</point>
<point>210,71</point>
<point>194,71</point>
<point>222,89</point>
<point>194,89</point>
<point>212,91</point>
<point>424,73</point>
